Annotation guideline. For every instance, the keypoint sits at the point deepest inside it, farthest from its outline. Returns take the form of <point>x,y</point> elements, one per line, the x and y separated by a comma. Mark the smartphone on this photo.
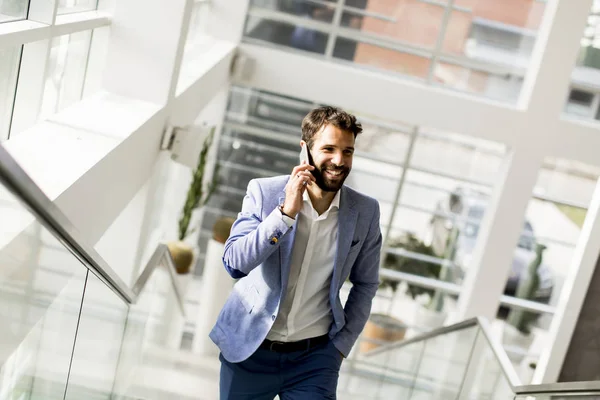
<point>304,154</point>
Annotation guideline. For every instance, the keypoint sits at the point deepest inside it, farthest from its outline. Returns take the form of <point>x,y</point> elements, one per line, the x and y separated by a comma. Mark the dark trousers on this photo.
<point>300,375</point>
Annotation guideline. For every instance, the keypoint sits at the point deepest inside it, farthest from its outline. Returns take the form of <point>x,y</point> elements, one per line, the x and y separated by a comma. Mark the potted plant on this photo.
<point>199,193</point>
<point>382,327</point>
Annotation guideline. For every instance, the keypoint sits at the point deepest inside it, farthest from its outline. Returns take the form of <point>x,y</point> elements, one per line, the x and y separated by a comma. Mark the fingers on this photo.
<point>302,167</point>
<point>303,178</point>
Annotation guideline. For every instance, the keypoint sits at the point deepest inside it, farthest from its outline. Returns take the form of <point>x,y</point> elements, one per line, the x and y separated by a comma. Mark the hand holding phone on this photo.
<point>300,178</point>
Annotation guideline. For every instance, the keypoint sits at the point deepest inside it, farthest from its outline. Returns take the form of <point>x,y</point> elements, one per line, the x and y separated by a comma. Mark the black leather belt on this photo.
<point>288,347</point>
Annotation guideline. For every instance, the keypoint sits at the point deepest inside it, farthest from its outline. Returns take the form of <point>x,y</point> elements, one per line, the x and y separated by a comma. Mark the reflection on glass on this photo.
<point>73,6</point>
<point>66,72</point>
<point>9,68</point>
<point>13,10</point>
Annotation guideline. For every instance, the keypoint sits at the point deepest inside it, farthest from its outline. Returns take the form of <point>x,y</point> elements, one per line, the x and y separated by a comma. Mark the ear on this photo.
<point>303,143</point>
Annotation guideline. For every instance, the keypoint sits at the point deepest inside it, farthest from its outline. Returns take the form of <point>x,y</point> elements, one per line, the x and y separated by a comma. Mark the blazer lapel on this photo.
<point>346,224</point>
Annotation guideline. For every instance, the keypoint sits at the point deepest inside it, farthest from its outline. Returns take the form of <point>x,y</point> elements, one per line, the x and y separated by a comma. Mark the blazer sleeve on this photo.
<point>365,281</point>
<point>252,240</point>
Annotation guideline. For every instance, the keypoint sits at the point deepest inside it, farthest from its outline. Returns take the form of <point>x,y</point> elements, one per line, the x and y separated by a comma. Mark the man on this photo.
<point>283,330</point>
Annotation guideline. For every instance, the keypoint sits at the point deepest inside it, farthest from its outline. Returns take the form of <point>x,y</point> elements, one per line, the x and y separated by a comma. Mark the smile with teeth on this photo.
<point>333,173</point>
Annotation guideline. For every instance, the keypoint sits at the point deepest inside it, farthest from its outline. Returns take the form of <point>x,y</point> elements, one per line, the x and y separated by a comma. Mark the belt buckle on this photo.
<point>274,342</point>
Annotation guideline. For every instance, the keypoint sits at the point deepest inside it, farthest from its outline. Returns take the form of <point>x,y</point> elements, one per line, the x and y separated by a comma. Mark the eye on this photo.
<point>348,152</point>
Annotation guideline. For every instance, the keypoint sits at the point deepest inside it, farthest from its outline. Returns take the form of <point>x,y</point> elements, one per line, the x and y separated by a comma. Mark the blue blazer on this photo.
<point>258,253</point>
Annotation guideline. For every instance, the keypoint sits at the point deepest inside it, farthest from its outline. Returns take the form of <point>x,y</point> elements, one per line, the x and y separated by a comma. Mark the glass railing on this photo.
<point>458,361</point>
<point>461,361</point>
<point>71,328</point>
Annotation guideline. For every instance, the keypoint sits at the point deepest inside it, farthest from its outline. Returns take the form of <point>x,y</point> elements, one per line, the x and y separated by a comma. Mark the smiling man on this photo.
<point>283,330</point>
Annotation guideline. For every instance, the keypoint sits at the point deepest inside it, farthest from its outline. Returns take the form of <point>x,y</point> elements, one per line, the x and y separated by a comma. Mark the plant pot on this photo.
<point>222,229</point>
<point>381,328</point>
<point>427,319</point>
<point>183,256</point>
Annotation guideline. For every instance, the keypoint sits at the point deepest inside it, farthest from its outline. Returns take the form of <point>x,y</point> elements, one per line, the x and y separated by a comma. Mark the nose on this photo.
<point>338,159</point>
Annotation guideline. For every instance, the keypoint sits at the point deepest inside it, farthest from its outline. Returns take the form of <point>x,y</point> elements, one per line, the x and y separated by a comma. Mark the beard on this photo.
<point>325,182</point>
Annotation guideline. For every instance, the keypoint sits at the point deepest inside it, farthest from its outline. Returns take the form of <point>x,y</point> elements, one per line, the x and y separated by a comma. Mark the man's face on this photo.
<point>331,154</point>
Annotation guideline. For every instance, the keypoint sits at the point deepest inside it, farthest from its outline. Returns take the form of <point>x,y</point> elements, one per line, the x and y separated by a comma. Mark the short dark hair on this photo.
<point>317,118</point>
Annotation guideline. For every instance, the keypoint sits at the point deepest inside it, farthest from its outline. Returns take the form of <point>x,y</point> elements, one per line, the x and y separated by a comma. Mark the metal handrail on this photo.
<point>565,388</point>
<point>16,180</point>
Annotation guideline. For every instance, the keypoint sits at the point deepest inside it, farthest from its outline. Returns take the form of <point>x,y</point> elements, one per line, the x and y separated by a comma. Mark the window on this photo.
<point>73,6</point>
<point>65,73</point>
<point>13,10</point>
<point>581,103</point>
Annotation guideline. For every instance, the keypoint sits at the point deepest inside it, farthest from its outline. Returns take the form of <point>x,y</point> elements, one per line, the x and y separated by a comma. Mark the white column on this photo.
<point>146,47</point>
<point>553,60</point>
<point>572,296</point>
<point>216,285</point>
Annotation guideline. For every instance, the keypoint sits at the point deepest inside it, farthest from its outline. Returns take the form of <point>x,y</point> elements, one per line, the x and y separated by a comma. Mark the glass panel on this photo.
<point>411,22</point>
<point>542,258</point>
<point>66,72</point>
<point>73,6</point>
<point>377,57</point>
<point>485,379</point>
<point>444,364</point>
<point>501,86</point>
<point>380,375</point>
<point>41,289</point>
<point>152,323</point>
<point>13,10</point>
<point>9,70</point>
<point>98,345</point>
<point>286,34</point>
<point>491,35</point>
<point>586,73</point>
<point>580,103</point>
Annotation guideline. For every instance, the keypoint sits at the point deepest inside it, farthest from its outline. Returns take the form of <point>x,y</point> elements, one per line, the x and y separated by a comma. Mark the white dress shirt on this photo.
<point>306,311</point>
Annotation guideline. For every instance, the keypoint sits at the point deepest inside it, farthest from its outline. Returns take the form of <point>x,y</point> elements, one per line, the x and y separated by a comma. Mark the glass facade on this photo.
<point>418,175</point>
<point>477,46</point>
